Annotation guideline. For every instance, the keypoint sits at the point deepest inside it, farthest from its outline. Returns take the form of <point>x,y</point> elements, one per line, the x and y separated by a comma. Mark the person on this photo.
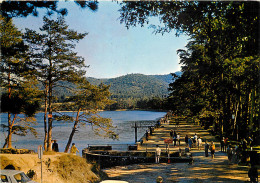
<point>174,140</point>
<point>195,139</point>
<point>186,140</point>
<point>190,143</point>
<point>74,149</point>
<point>253,174</point>
<point>199,143</point>
<point>222,144</point>
<point>151,130</point>
<point>146,135</point>
<point>159,179</point>
<point>178,139</point>
<point>225,144</point>
<point>55,146</point>
<point>206,149</point>
<point>174,134</point>
<point>171,134</point>
<point>157,154</point>
<point>212,148</point>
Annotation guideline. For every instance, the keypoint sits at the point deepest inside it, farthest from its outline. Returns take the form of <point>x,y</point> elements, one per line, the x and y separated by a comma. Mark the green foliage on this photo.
<point>12,9</point>
<point>133,91</point>
<point>20,96</point>
<point>220,63</point>
<point>52,55</point>
<point>87,101</point>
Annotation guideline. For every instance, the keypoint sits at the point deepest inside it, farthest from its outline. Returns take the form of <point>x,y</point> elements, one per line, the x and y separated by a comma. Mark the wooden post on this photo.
<point>135,133</point>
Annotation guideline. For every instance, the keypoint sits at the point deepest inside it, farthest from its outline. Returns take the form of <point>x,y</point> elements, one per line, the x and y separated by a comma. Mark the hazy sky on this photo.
<point>110,49</point>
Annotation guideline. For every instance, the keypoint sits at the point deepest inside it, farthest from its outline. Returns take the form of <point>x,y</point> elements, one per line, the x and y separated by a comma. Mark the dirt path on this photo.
<point>204,169</point>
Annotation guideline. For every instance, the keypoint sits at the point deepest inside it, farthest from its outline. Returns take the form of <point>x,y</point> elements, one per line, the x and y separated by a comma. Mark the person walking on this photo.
<point>225,144</point>
<point>174,140</point>
<point>157,154</point>
<point>174,134</point>
<point>186,140</point>
<point>146,135</point>
<point>179,139</point>
<point>55,146</point>
<point>222,144</point>
<point>195,138</point>
<point>212,148</point>
<point>171,134</point>
<point>206,149</point>
<point>199,143</point>
<point>190,143</point>
<point>74,149</point>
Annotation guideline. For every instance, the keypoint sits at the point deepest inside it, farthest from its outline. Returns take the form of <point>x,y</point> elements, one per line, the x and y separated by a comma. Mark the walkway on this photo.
<point>204,169</point>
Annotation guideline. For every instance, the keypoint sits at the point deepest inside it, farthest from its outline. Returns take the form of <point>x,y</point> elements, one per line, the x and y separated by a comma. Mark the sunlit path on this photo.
<point>203,169</point>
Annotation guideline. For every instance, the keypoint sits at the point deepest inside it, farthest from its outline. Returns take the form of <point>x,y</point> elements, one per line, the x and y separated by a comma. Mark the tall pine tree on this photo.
<point>52,53</point>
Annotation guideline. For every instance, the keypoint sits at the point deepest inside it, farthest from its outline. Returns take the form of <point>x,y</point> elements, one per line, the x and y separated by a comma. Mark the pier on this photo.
<point>143,151</point>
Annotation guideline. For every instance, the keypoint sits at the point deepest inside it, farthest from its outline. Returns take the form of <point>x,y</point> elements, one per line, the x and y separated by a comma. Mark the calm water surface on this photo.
<point>124,120</point>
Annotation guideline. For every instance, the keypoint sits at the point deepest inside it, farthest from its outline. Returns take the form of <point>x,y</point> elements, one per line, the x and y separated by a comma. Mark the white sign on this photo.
<point>40,152</point>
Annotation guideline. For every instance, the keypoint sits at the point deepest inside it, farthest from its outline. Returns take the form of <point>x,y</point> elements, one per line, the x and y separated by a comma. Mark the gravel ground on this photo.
<point>203,169</point>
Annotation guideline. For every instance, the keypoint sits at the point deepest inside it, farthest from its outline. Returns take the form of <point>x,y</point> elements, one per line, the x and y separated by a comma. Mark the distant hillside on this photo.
<point>127,86</point>
<point>137,85</point>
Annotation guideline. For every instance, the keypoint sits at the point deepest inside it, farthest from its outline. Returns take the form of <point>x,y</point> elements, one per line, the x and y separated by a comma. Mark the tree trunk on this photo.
<point>10,130</point>
<point>9,135</point>
<point>252,112</point>
<point>49,137</point>
<point>8,140</point>
<point>235,119</point>
<point>72,132</point>
<point>45,117</point>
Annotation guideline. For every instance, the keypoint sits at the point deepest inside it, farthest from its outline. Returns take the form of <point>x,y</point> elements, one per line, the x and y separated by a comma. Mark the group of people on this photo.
<point>224,144</point>
<point>193,142</point>
<point>73,149</point>
<point>175,137</point>
<point>196,141</point>
<point>211,147</point>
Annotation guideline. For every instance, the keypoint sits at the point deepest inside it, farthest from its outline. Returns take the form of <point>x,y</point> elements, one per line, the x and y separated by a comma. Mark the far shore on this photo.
<point>153,110</point>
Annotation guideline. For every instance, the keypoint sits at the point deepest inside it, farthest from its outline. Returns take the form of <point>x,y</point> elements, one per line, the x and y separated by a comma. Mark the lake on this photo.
<point>124,120</point>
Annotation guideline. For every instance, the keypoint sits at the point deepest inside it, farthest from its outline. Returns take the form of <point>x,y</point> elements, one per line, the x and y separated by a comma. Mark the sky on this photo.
<point>112,50</point>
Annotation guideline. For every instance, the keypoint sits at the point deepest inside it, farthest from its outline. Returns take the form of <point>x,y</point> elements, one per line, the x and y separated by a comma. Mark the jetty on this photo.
<point>143,151</point>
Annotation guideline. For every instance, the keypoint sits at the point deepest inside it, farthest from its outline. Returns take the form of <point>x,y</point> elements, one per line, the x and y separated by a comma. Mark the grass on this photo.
<point>75,169</point>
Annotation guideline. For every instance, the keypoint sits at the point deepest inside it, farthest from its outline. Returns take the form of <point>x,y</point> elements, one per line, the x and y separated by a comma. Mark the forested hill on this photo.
<point>137,85</point>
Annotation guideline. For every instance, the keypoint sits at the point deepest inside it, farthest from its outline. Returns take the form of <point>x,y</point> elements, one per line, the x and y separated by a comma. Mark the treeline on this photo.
<point>219,86</point>
<point>154,103</point>
<point>132,91</point>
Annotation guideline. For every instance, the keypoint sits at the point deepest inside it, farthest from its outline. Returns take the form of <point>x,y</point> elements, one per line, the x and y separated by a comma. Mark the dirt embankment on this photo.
<point>58,167</point>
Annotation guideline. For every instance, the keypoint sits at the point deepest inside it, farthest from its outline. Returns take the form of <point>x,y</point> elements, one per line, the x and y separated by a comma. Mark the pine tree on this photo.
<point>52,54</point>
<point>20,94</point>
<point>88,101</point>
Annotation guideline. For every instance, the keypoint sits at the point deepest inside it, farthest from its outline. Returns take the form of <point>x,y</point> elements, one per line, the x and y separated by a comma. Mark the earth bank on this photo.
<point>57,167</point>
